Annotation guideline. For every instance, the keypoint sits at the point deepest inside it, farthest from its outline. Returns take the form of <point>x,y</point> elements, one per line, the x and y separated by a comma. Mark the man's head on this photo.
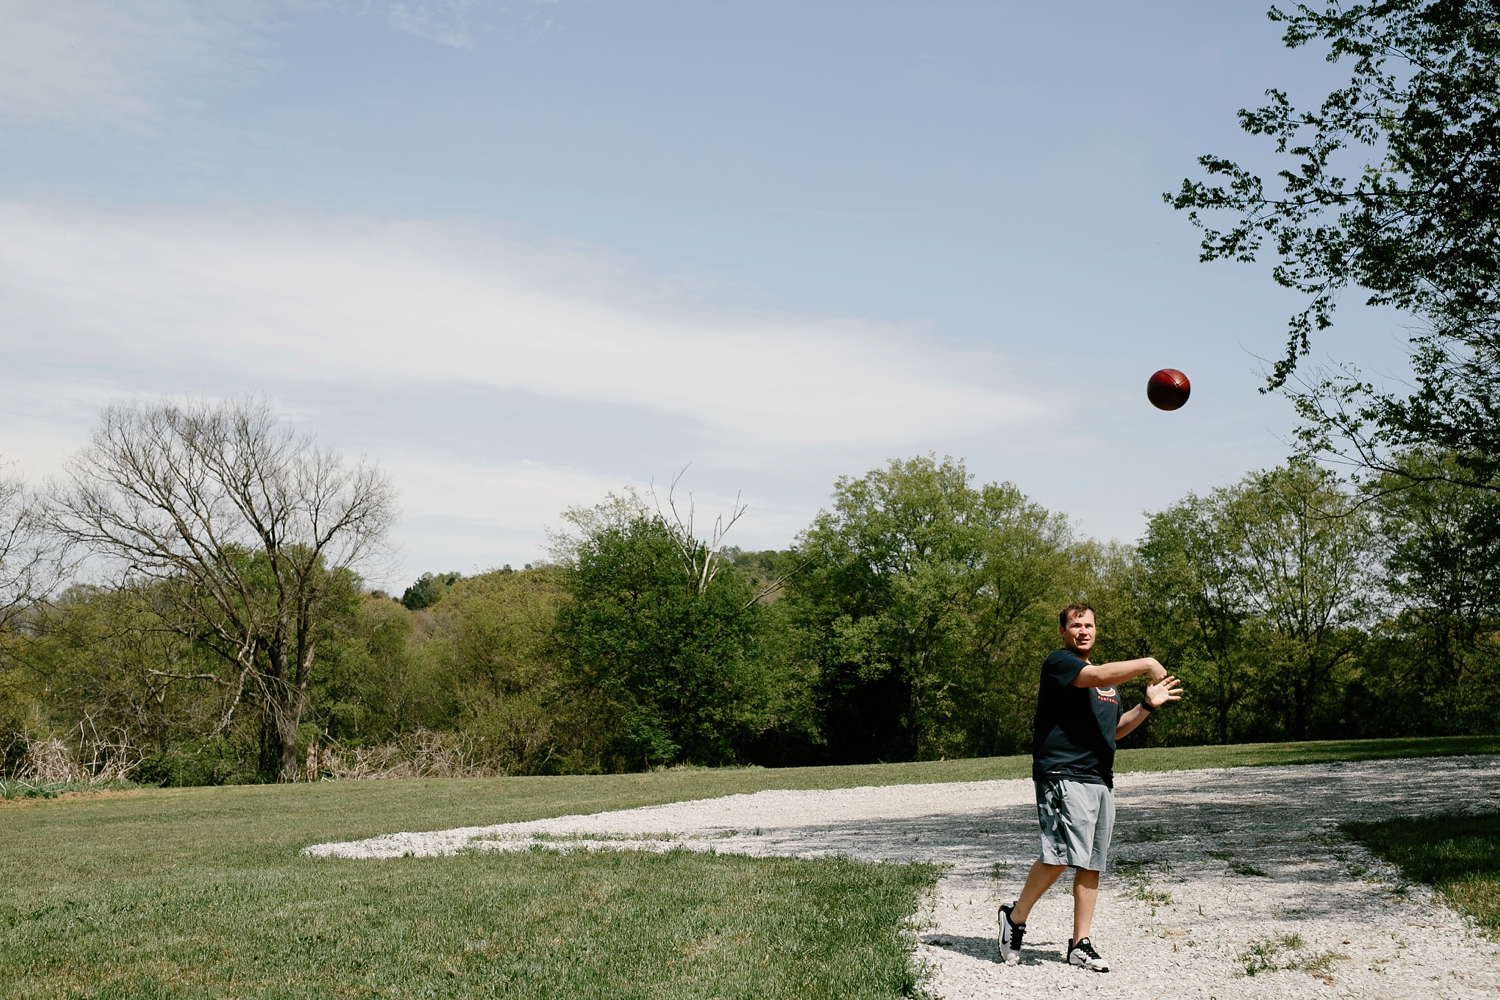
<point>1076,625</point>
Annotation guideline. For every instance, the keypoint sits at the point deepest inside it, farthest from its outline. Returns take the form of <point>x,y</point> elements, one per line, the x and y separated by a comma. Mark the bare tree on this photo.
<point>31,562</point>
<point>702,560</point>
<point>247,524</point>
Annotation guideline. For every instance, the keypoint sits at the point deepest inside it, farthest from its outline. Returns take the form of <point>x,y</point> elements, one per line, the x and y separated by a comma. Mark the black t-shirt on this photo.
<point>1075,727</point>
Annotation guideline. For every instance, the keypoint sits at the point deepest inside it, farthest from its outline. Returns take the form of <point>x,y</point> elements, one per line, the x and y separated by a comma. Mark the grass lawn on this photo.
<point>201,892</point>
<point>1459,856</point>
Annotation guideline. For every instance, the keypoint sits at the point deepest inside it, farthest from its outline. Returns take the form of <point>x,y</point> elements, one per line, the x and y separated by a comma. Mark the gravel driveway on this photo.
<point>1223,884</point>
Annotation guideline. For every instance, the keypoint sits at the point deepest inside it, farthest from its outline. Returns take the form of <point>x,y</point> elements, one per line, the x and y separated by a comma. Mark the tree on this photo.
<point>920,607</point>
<point>252,529</point>
<point>1418,228</point>
<point>1191,556</point>
<point>1306,558</point>
<point>30,568</point>
<point>428,590</point>
<point>1442,568</point>
<point>497,636</point>
<point>658,628</point>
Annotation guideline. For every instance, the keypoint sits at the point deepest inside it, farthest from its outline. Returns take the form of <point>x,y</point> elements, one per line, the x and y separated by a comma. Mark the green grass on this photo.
<point>201,892</point>
<point>1459,856</point>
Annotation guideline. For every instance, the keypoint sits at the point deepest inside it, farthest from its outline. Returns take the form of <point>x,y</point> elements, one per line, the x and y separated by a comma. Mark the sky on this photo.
<point>523,254</point>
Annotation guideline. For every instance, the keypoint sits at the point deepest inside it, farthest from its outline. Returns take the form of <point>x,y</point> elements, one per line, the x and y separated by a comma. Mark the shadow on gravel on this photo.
<point>986,950</point>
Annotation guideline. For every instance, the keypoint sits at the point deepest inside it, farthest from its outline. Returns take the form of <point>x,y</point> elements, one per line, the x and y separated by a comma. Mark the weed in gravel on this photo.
<point>1319,964</point>
<point>1145,835</point>
<point>1284,953</point>
<point>1237,866</point>
<point>1136,874</point>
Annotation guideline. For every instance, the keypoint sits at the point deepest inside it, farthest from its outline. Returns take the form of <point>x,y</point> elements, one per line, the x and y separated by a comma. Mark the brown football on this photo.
<point>1168,389</point>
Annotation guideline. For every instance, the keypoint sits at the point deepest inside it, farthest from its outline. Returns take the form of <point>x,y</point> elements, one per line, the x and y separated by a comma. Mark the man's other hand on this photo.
<point>1168,688</point>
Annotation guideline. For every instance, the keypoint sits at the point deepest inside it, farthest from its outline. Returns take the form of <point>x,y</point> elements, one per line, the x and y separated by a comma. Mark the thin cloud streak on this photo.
<point>386,305</point>
<point>80,62</point>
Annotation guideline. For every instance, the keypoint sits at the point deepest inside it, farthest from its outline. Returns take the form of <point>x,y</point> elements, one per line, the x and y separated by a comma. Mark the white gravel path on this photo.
<point>1213,872</point>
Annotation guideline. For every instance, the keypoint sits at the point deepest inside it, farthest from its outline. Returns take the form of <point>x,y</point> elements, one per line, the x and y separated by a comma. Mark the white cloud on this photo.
<point>391,305</point>
<point>418,349</point>
<point>456,22</point>
<point>93,62</point>
<point>447,23</point>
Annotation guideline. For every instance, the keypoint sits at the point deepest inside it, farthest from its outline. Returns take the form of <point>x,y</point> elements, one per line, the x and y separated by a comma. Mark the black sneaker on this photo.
<point>1083,953</point>
<point>1010,936</point>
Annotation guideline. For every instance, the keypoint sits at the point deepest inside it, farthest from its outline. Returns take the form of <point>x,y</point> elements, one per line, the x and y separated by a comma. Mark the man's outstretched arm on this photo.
<point>1109,674</point>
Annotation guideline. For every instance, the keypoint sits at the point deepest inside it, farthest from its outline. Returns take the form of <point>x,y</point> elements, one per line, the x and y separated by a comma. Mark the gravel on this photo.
<point>1225,883</point>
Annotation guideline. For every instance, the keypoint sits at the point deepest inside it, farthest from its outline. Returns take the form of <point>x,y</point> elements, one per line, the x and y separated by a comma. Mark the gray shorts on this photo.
<point>1077,820</point>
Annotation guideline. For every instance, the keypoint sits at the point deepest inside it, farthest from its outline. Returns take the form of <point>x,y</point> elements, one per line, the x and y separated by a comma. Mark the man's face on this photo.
<point>1078,634</point>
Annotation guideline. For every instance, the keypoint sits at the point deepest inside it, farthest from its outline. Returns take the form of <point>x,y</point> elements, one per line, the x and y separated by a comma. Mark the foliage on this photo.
<point>1261,594</point>
<point>428,589</point>
<point>1416,227</point>
<point>497,640</point>
<point>906,624</point>
<point>924,606</point>
<point>1439,667</point>
<point>671,643</point>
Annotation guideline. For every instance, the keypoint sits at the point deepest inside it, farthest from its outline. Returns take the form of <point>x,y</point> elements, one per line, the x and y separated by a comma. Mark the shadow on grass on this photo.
<point>1458,855</point>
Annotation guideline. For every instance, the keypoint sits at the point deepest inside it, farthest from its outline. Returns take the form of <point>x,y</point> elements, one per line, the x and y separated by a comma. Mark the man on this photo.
<point>1078,720</point>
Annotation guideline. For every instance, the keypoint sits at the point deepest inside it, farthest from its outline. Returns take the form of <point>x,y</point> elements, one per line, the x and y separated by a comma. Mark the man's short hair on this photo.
<point>1076,608</point>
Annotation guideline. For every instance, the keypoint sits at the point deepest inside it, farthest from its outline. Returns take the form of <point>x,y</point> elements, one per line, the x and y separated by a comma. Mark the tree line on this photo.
<point>185,605</point>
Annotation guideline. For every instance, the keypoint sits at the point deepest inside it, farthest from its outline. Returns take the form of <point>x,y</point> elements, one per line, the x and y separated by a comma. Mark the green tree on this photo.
<point>658,630</point>
<point>923,607</point>
<point>497,635</point>
<point>1191,557</point>
<point>1306,555</point>
<point>428,590</point>
<point>1442,568</point>
<point>1261,596</point>
<point>377,676</point>
<point>1417,226</point>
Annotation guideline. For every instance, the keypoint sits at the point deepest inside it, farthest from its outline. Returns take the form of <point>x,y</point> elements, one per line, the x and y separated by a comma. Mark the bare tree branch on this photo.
<point>249,525</point>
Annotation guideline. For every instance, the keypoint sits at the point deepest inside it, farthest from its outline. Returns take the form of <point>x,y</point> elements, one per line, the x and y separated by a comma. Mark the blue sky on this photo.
<point>522,254</point>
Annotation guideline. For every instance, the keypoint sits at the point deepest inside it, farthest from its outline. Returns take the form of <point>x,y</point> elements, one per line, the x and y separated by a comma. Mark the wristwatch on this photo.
<point>1147,706</point>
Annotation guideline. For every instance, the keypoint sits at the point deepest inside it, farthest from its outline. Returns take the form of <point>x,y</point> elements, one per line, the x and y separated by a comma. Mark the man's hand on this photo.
<point>1166,689</point>
<point>1157,671</point>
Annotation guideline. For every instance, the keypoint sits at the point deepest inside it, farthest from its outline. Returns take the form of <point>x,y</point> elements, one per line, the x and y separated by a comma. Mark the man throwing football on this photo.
<point>1078,720</point>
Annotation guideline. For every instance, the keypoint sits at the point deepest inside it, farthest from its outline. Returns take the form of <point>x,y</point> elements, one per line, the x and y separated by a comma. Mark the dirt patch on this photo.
<point>74,796</point>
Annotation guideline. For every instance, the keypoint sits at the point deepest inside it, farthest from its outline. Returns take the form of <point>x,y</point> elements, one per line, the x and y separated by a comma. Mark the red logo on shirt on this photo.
<point>1106,694</point>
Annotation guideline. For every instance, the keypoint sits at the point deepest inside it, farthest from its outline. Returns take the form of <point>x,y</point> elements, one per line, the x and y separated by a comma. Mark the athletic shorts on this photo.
<point>1077,820</point>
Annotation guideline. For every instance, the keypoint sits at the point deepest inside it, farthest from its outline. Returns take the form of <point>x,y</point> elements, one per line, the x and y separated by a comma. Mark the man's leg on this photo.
<point>1085,895</point>
<point>1038,881</point>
